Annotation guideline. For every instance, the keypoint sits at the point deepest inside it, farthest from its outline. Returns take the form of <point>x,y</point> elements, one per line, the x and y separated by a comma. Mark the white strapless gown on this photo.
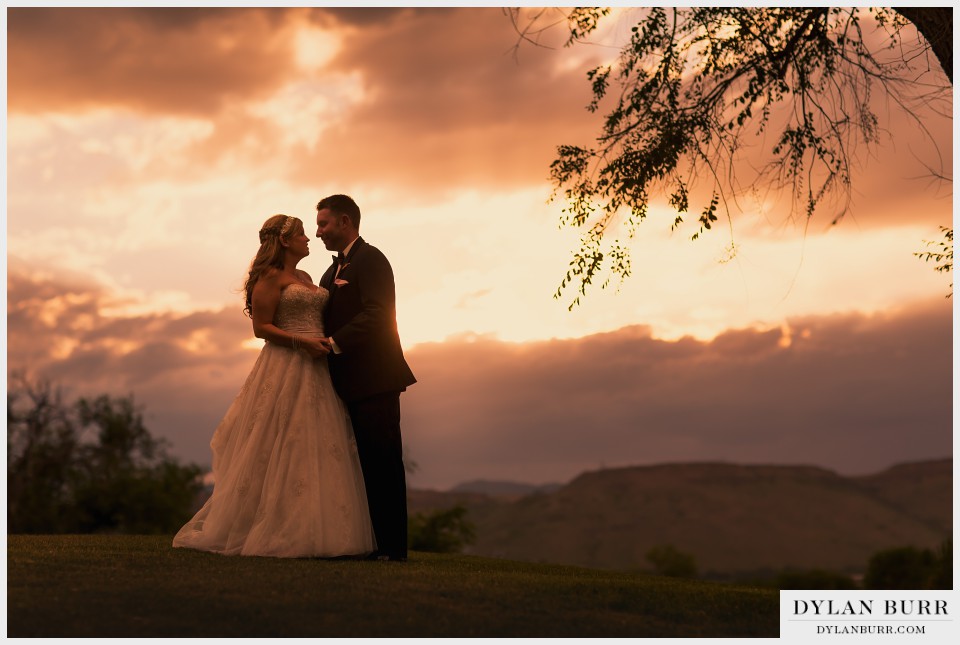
<point>287,477</point>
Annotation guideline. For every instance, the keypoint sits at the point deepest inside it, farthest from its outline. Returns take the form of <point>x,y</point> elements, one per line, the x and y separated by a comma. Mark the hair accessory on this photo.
<point>277,230</point>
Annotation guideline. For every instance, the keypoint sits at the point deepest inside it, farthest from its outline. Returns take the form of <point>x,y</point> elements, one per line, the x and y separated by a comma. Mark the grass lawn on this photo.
<point>138,586</point>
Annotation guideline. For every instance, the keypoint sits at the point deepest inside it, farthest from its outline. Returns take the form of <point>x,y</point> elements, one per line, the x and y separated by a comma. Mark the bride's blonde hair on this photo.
<point>270,253</point>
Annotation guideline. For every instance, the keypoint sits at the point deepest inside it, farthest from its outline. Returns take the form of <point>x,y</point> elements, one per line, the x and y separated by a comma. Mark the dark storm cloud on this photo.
<point>851,392</point>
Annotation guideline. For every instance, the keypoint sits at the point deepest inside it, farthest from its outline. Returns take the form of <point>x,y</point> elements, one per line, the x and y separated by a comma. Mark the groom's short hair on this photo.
<point>342,204</point>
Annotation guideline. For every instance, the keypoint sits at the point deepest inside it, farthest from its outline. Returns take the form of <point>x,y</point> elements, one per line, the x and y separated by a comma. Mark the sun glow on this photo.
<point>315,47</point>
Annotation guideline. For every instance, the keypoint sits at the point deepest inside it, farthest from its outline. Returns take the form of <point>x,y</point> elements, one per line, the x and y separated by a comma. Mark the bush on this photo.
<point>667,560</point>
<point>443,531</point>
<point>911,568</point>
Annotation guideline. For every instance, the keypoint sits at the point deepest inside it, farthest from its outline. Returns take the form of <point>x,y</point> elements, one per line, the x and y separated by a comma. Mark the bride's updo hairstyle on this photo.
<point>270,253</point>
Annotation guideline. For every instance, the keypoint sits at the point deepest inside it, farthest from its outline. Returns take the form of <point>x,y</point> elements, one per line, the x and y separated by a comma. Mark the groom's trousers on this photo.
<point>376,425</point>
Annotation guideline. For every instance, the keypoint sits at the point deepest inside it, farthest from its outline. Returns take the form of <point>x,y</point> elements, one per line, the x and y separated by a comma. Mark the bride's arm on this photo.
<point>266,297</point>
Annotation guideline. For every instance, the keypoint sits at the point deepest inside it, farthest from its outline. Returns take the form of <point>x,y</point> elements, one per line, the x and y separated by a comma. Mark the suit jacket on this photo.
<point>361,316</point>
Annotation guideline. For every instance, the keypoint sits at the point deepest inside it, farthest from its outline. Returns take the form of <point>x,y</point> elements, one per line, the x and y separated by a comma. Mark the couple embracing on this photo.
<point>308,460</point>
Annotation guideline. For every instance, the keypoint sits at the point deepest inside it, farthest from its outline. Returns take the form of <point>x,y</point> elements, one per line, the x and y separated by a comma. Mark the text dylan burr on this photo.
<point>868,608</point>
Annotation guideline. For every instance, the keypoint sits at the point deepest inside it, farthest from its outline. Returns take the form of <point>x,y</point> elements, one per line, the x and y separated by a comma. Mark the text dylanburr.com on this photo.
<point>914,616</point>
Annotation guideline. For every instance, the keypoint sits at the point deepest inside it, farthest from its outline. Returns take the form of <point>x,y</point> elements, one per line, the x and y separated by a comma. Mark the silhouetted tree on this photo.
<point>42,453</point>
<point>942,258</point>
<point>91,466</point>
<point>695,83</point>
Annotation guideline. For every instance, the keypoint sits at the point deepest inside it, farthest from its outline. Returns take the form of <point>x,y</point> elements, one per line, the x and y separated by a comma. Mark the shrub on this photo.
<point>667,560</point>
<point>443,531</point>
<point>911,568</point>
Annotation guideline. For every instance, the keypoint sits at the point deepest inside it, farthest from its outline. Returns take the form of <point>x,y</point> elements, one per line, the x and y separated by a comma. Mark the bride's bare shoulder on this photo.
<point>270,273</point>
<point>269,280</point>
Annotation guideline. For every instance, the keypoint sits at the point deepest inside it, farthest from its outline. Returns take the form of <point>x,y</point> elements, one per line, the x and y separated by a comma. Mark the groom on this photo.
<point>367,365</point>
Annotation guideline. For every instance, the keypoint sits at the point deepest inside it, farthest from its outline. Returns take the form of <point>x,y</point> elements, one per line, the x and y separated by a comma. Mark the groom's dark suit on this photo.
<point>369,374</point>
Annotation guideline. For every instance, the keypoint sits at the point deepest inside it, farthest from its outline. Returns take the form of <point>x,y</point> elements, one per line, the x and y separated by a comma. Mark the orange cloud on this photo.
<point>418,102</point>
<point>849,392</point>
<point>167,60</point>
<point>446,104</point>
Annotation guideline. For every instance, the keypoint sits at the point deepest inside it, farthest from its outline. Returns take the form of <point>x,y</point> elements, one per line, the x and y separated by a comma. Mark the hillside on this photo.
<point>734,519</point>
<point>922,490</point>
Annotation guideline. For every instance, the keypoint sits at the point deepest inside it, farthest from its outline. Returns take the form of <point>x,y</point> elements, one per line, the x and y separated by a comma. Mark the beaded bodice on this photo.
<point>300,309</point>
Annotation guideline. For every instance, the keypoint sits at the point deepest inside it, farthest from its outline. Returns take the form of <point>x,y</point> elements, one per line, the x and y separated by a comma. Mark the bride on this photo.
<point>287,476</point>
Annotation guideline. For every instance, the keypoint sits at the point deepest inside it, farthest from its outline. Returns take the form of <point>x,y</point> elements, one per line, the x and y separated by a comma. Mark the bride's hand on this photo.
<point>314,347</point>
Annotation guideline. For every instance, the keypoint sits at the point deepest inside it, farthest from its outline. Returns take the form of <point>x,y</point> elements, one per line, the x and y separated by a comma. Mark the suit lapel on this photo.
<point>327,281</point>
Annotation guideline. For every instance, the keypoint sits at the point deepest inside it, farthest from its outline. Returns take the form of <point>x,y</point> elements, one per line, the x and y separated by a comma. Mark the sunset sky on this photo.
<point>145,148</point>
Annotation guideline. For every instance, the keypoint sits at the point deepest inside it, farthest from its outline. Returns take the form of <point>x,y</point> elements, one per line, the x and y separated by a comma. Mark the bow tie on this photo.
<point>339,258</point>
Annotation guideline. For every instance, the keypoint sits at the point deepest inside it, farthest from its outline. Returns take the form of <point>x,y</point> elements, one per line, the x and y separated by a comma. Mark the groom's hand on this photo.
<point>316,347</point>
<point>331,345</point>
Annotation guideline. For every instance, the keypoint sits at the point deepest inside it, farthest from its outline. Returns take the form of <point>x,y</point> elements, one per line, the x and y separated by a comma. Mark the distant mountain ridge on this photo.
<point>732,518</point>
<point>503,488</point>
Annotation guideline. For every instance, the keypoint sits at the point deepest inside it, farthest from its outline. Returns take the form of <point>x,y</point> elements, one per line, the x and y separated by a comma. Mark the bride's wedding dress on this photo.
<point>285,466</point>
